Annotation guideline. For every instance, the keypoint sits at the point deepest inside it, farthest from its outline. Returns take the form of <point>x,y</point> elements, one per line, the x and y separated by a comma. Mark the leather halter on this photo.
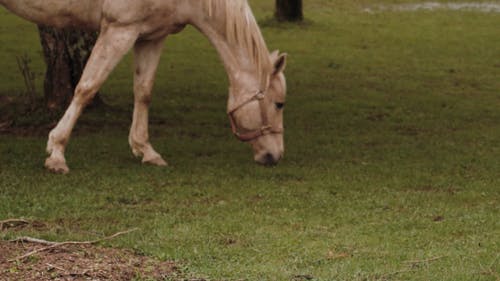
<point>266,128</point>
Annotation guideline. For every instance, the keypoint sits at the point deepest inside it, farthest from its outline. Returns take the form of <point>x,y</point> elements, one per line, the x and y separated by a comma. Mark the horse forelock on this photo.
<point>242,30</point>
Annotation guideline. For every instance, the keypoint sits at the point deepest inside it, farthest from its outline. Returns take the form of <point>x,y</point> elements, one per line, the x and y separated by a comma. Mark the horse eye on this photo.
<point>280,105</point>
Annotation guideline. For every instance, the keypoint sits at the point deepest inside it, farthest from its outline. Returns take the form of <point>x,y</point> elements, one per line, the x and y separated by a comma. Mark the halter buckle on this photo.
<point>265,129</point>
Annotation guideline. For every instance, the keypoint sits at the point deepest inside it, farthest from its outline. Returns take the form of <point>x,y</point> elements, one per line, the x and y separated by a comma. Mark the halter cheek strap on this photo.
<point>265,129</point>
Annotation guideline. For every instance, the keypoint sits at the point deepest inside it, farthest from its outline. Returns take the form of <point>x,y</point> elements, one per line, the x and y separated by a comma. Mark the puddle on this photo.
<point>485,7</point>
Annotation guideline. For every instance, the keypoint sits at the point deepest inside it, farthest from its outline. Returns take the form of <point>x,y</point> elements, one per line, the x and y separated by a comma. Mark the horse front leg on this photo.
<point>147,56</point>
<point>112,44</point>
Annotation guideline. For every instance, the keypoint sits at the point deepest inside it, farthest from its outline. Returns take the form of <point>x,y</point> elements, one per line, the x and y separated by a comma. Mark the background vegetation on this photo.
<point>391,169</point>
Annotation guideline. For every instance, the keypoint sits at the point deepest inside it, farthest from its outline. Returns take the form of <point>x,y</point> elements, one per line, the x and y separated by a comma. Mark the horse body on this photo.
<point>88,14</point>
<point>58,13</point>
<point>256,76</point>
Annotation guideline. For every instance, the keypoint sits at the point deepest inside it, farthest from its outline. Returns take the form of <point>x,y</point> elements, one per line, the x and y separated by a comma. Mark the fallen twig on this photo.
<point>53,245</point>
<point>52,267</point>
<point>12,223</point>
<point>26,239</point>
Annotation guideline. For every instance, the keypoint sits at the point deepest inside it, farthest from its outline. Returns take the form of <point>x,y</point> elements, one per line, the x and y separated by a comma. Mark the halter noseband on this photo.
<point>266,128</point>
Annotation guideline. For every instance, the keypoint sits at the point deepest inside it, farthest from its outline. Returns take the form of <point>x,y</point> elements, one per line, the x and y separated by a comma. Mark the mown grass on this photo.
<point>393,154</point>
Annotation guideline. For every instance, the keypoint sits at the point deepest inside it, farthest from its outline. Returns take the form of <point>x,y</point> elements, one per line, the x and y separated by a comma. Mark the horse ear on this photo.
<point>274,55</point>
<point>279,62</point>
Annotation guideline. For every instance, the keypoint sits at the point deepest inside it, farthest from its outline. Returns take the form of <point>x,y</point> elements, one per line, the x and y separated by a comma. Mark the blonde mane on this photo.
<point>242,30</point>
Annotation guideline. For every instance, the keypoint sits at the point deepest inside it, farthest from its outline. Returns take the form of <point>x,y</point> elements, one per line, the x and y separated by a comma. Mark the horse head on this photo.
<point>257,115</point>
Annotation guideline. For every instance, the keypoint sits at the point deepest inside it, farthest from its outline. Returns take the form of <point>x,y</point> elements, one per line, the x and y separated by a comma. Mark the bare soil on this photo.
<point>80,262</point>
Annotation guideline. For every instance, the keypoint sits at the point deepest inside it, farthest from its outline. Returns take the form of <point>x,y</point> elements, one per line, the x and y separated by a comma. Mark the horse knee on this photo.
<point>84,93</point>
<point>145,99</point>
<point>143,93</point>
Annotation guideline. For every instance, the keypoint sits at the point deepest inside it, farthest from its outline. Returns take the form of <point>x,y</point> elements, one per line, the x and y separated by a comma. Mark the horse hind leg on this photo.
<point>111,46</point>
<point>147,56</point>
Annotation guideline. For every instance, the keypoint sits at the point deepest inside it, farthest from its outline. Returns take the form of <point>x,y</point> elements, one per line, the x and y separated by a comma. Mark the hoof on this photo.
<point>56,166</point>
<point>156,161</point>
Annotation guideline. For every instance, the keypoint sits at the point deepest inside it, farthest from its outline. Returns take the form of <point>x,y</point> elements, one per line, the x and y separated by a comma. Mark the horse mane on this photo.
<point>242,30</point>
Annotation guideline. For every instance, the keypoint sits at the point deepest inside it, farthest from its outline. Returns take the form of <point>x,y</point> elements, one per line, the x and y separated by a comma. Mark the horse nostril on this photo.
<point>269,159</point>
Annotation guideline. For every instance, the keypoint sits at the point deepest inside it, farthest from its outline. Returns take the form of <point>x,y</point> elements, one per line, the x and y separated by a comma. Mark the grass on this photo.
<point>393,154</point>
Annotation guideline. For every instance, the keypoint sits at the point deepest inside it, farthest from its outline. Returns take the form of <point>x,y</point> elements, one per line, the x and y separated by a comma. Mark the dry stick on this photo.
<point>26,239</point>
<point>53,245</point>
<point>12,222</point>
<point>56,267</point>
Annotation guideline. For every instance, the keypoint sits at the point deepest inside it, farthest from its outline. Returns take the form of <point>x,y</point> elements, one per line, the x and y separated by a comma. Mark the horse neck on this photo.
<point>242,69</point>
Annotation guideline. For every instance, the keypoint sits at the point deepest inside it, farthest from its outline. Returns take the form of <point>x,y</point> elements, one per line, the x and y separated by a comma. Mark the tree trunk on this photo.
<point>289,10</point>
<point>66,52</point>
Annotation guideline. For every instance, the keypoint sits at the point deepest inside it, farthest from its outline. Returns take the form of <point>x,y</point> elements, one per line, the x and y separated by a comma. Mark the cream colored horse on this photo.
<point>257,90</point>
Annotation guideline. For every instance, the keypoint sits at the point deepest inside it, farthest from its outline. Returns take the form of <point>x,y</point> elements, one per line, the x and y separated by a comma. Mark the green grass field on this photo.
<point>393,154</point>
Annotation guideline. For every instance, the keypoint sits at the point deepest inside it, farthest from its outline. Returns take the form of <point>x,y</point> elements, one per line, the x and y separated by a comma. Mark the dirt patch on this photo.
<point>80,262</point>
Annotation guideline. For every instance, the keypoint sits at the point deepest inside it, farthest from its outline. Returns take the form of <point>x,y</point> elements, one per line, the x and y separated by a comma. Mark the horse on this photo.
<point>257,89</point>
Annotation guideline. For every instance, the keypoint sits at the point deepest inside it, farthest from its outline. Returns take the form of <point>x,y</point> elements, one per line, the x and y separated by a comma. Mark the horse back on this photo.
<point>82,14</point>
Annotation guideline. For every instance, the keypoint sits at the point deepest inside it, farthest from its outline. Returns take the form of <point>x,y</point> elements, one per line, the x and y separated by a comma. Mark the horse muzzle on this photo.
<point>268,159</point>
